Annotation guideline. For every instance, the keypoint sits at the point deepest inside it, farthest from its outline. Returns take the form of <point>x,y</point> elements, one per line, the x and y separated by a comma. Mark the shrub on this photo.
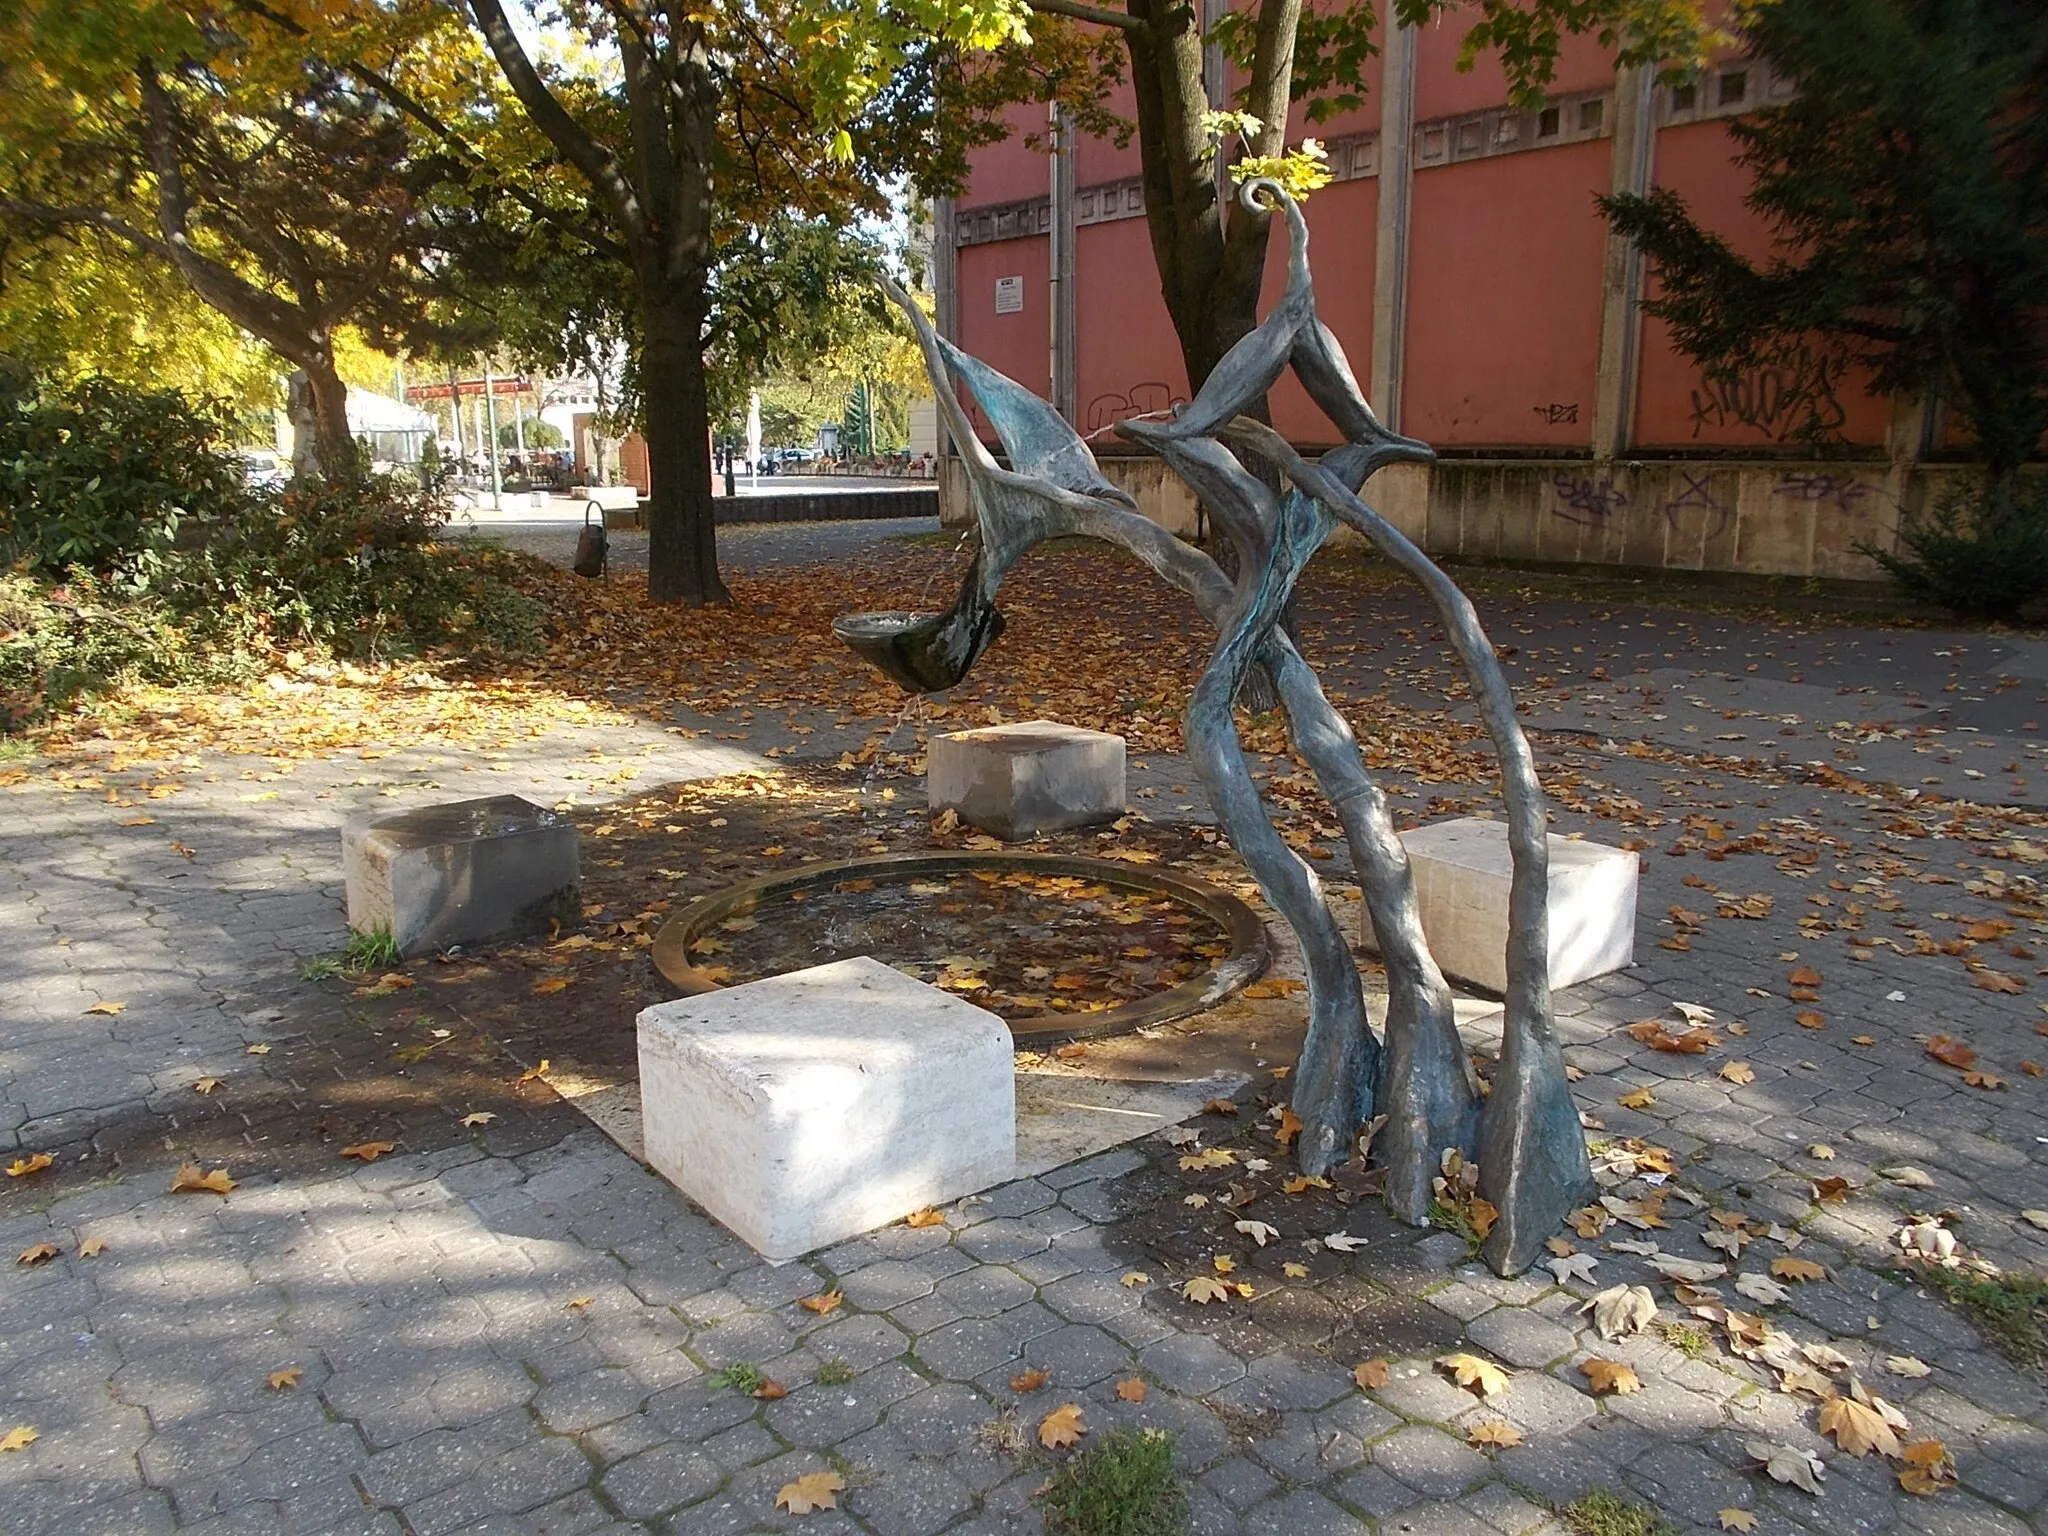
<point>1972,556</point>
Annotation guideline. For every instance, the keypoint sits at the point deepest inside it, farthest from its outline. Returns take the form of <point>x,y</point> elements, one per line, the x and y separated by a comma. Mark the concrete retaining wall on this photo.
<point>829,506</point>
<point>1775,517</point>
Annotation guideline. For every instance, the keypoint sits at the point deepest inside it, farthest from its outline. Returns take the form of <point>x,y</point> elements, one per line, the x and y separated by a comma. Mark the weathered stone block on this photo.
<point>812,1106</point>
<point>1017,781</point>
<point>455,874</point>
<point>1462,874</point>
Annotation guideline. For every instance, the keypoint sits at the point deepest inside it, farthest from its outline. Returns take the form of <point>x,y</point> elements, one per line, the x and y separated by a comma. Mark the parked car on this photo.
<point>263,470</point>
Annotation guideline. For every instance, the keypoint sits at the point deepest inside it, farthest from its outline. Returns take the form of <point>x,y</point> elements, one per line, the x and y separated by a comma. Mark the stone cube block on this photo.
<point>500,867</point>
<point>1462,874</point>
<point>813,1106</point>
<point>1016,781</point>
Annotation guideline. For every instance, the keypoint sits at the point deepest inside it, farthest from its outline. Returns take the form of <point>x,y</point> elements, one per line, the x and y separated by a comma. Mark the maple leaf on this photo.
<point>22,1167</point>
<point>1610,1376</point>
<point>108,1009</point>
<point>1858,1428</point>
<point>1135,1277</point>
<point>42,1253</point>
<point>1343,1242</point>
<point>191,1179</point>
<point>1737,1072</point>
<point>1907,1365</point>
<point>1928,1468</point>
<point>1475,1374</point>
<point>1294,1271</point>
<point>286,1379</point>
<point>1223,1263</point>
<point>1622,1309</point>
<point>1807,1018</point>
<point>19,1438</point>
<point>539,1069</point>
<point>810,1493</point>
<point>1637,1098</point>
<point>480,1117</point>
<point>1573,1267</point>
<point>1063,1428</point>
<point>1301,1183</point>
<point>1761,1288</point>
<point>1202,1290</point>
<point>1951,1052</point>
<point>1258,1231</point>
<point>577,1303</point>
<point>1737,1520</point>
<point>1834,1187</point>
<point>1692,1271</point>
<point>1370,1374</point>
<point>92,1247</point>
<point>825,1303</point>
<point>929,1216</point>
<point>1788,1464</point>
<point>1219,1107</point>
<point>206,1085</point>
<point>1997,981</point>
<point>1494,1434</point>
<point>1197,1202</point>
<point>1208,1157</point>
<point>1131,1389</point>
<point>369,1151</point>
<point>1028,1381</point>
<point>1786,1267</point>
<point>1983,1080</point>
<point>1805,976</point>
<point>1290,1127</point>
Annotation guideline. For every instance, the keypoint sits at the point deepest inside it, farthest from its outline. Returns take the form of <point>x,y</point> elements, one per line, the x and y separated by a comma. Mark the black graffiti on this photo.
<point>1555,413</point>
<point>1795,400</point>
<point>1140,400</point>
<point>1843,490</point>
<point>1698,493</point>
<point>1584,500</point>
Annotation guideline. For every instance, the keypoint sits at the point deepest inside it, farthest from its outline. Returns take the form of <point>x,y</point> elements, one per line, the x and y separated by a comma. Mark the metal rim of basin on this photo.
<point>1248,957</point>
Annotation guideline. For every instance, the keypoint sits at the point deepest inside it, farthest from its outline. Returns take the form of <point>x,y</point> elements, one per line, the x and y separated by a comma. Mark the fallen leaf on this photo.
<point>771,1391</point>
<point>22,1167</point>
<point>1131,1389</point>
<point>1290,1127</point>
<point>206,1085</point>
<point>1820,1151</point>
<point>1063,1428</point>
<point>1475,1374</point>
<point>92,1247</point>
<point>548,985</point>
<point>1197,1202</point>
<point>369,1151</point>
<point>1073,1050</point>
<point>1028,1381</point>
<point>1738,1072</point>
<point>1785,1267</point>
<point>1833,1187</point>
<point>540,1069</point>
<point>1223,1263</point>
<point>481,1117</point>
<point>1610,1376</point>
<point>42,1253</point>
<point>1692,1271</point>
<point>258,1049</point>
<point>1294,1271</point>
<point>286,1379</point>
<point>1135,1277</point>
<point>190,1179</point>
<point>1807,1018</point>
<point>1258,1231</point>
<point>1571,1267</point>
<point>1494,1434</point>
<point>824,1303</point>
<point>1370,1374</point>
<point>1737,1520</point>
<point>1202,1290</point>
<point>1219,1107</point>
<point>1951,1052</point>
<point>1907,1365</point>
<point>1761,1288</point>
<point>1208,1157</point>
<point>20,1438</point>
<point>108,1008</point>
<point>1301,1183</point>
<point>1343,1242</point>
<point>1997,981</point>
<point>810,1493</point>
<point>1621,1310</point>
<point>1637,1098</point>
<point>929,1216</point>
<point>577,1303</point>
<point>1805,976</point>
<point>1983,1080</point>
<point>1928,1469</point>
<point>1909,1177</point>
<point>1788,1464</point>
<point>1858,1428</point>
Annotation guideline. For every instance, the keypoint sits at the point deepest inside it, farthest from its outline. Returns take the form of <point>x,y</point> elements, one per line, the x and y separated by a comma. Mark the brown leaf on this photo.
<point>1833,1187</point>
<point>1806,1018</point>
<point>547,986</point>
<point>1786,1267</point>
<point>1805,976</point>
<point>1370,1374</point>
<point>92,1247</point>
<point>771,1391</point>
<point>191,1179</point>
<point>286,1379</point>
<point>1858,1428</point>
<point>1301,1183</point>
<point>1738,1072</point>
<point>1610,1376</point>
<point>825,1303</point>
<point>369,1151</point>
<point>1928,1469</point>
<point>1028,1381</point>
<point>1475,1374</point>
<point>810,1493</point>
<point>1219,1107</point>
<point>1131,1389</point>
<point>1997,981</point>
<point>1063,1428</point>
<point>1073,1050</point>
<point>206,1085</point>
<point>1983,1080</point>
<point>1494,1434</point>
<point>1951,1052</point>
<point>1290,1127</point>
<point>42,1253</point>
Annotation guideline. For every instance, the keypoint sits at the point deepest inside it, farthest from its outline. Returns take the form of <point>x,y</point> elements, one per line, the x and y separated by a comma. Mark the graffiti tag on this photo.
<point>1586,500</point>
<point>1556,414</point>
<point>1698,494</point>
<point>1796,400</point>
<point>1140,400</point>
<point>1843,490</point>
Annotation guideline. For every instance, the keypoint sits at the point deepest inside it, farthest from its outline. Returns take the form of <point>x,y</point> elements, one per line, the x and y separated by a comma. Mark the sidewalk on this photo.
<point>513,1327</point>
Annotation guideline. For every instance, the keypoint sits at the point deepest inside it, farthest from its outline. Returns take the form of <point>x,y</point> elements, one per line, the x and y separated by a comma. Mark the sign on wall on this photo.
<point>1009,295</point>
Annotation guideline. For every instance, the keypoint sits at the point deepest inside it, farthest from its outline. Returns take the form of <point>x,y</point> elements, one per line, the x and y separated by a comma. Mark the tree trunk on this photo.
<point>682,541</point>
<point>317,402</point>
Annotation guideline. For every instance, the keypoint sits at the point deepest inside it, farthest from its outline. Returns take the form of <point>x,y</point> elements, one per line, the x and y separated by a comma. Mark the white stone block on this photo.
<point>1462,875</point>
<point>499,867</point>
<point>813,1106</point>
<point>1016,781</point>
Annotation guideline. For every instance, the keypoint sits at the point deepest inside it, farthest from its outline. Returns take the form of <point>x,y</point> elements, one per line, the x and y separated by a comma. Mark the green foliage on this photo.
<point>1124,1485</point>
<point>2011,1308</point>
<point>1906,184</point>
<point>371,949</point>
<point>1601,1513</point>
<point>740,1376</point>
<point>834,1373</point>
<point>1976,553</point>
<point>542,435</point>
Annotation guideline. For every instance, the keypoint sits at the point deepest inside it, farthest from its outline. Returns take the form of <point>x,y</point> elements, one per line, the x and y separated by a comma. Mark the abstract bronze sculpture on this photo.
<point>1525,1137</point>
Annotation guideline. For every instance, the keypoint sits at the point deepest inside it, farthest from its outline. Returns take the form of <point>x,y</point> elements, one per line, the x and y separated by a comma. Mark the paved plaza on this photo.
<point>513,1327</point>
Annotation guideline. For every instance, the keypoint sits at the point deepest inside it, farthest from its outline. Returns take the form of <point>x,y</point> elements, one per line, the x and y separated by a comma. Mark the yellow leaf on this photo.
<point>20,1438</point>
<point>551,984</point>
<point>206,1085</point>
<point>369,1151</point>
<point>1290,1127</point>
<point>1610,1376</point>
<point>1475,1374</point>
<point>538,1070</point>
<point>810,1493</point>
<point>1928,1468</point>
<point>92,1247</point>
<point>1786,1267</point>
<point>1496,1433</point>
<point>286,1379</point>
<point>1294,1271</point>
<point>825,1303</point>
<point>1301,1183</point>
<point>1637,1098</point>
<point>1208,1157</point>
<point>1738,1072</point>
<point>190,1179</point>
<point>1062,1428</point>
<point>1737,1520</point>
<point>1224,1263</point>
<point>42,1253</point>
<point>1135,1277</point>
<point>257,1050</point>
<point>1131,1389</point>
<point>577,1303</point>
<point>927,1217</point>
<point>1028,1381</point>
<point>108,1008</point>
<point>1858,1428</point>
<point>1371,1373</point>
<point>22,1167</point>
<point>1202,1290</point>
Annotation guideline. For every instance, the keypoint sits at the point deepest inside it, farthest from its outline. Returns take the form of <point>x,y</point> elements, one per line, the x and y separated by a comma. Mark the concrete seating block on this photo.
<point>1462,874</point>
<point>461,873</point>
<point>1016,781</point>
<point>813,1106</point>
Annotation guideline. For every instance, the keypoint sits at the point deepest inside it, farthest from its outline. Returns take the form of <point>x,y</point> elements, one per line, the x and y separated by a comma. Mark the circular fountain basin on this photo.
<point>691,947</point>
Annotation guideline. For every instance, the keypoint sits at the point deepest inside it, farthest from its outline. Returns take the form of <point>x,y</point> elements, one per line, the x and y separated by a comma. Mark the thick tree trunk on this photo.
<point>336,445</point>
<point>682,542</point>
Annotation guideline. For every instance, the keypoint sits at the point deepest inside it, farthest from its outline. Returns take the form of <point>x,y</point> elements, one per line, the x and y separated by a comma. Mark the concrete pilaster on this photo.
<point>1060,250</point>
<point>1390,270</point>
<point>1621,290</point>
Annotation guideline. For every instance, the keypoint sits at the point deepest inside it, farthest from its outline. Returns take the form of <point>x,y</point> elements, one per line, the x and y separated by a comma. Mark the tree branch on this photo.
<point>1078,10</point>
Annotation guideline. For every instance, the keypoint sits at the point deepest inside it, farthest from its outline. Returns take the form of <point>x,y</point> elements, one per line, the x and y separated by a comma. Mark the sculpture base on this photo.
<point>1016,781</point>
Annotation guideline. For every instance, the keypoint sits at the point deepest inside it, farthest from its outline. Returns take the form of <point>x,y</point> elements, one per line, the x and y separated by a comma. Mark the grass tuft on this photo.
<point>835,1373</point>
<point>741,1376</point>
<point>1124,1485</point>
<point>371,949</point>
<point>1601,1513</point>
<point>2009,1310</point>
